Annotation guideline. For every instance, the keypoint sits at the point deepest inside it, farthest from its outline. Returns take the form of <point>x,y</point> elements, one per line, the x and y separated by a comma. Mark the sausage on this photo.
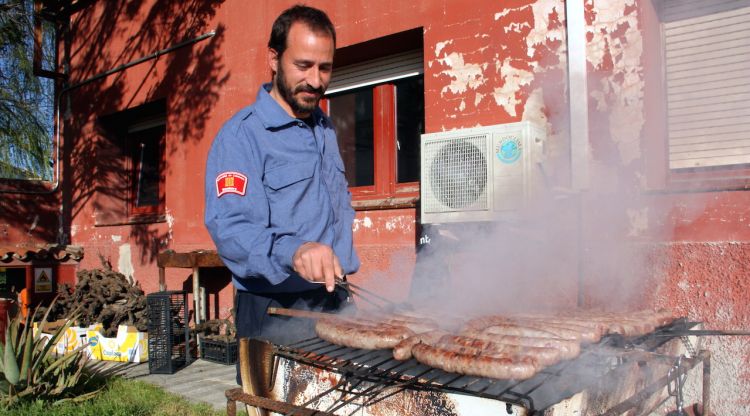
<point>402,350</point>
<point>414,324</point>
<point>527,331</point>
<point>543,355</point>
<point>627,324</point>
<point>623,325</point>
<point>356,335</point>
<point>501,367</point>
<point>568,348</point>
<point>586,332</point>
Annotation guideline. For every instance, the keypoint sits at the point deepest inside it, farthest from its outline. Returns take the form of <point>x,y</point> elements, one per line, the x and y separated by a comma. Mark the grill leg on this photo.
<point>231,407</point>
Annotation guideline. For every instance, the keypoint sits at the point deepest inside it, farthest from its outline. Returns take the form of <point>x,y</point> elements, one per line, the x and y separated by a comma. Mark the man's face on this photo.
<point>303,71</point>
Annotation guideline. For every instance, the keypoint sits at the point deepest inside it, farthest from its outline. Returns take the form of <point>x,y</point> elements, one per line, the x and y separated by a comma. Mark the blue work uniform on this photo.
<point>274,182</point>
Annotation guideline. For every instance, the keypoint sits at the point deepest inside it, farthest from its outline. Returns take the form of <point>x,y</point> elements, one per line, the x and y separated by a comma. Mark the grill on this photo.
<point>367,377</point>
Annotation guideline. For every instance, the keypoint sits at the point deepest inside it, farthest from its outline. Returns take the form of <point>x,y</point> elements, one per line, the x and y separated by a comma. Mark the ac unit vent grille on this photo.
<point>458,174</point>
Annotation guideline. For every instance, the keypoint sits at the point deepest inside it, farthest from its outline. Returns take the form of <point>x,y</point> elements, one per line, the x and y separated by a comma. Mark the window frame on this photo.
<point>115,192</point>
<point>662,177</point>
<point>386,192</point>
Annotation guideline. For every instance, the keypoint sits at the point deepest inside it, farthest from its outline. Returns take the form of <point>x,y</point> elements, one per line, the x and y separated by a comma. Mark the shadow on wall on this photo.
<point>96,170</point>
<point>213,280</point>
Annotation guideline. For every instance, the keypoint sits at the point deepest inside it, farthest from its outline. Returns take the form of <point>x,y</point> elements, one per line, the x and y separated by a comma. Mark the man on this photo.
<point>277,201</point>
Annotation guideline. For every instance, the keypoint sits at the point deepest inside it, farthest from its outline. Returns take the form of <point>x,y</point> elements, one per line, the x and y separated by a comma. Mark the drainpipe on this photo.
<point>579,119</point>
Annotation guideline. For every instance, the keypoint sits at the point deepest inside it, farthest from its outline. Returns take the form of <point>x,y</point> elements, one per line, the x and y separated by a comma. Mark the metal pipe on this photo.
<point>575,31</point>
<point>705,356</point>
<point>270,404</point>
<point>140,60</point>
<point>577,93</point>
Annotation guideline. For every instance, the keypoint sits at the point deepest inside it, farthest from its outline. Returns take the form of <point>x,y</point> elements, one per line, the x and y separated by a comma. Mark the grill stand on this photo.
<point>352,391</point>
<point>354,379</point>
<point>681,367</point>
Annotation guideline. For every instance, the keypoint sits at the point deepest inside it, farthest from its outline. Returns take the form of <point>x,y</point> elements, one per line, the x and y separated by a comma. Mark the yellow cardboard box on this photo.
<point>73,338</point>
<point>129,345</point>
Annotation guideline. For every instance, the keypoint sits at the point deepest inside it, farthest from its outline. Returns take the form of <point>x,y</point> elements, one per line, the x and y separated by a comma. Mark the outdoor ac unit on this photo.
<point>480,174</point>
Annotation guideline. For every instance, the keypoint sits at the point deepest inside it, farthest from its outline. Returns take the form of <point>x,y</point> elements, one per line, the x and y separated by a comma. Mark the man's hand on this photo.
<point>317,263</point>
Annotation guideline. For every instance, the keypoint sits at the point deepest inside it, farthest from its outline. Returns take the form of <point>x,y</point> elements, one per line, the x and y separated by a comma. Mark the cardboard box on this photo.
<point>73,338</point>
<point>129,345</point>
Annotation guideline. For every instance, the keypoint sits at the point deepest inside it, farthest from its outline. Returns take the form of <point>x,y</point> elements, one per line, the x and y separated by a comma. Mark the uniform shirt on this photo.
<point>274,182</point>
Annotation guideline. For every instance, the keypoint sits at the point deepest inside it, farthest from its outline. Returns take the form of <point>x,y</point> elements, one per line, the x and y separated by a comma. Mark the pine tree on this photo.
<point>26,101</point>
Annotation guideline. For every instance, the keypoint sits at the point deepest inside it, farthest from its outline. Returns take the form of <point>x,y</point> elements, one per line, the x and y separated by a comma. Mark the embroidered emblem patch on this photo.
<point>230,183</point>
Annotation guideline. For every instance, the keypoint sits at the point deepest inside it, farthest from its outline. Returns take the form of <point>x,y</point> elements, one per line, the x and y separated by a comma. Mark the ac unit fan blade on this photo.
<point>458,174</point>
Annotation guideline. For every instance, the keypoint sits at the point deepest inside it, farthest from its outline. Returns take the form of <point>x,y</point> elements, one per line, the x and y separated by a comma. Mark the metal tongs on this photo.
<point>367,296</point>
<point>702,332</point>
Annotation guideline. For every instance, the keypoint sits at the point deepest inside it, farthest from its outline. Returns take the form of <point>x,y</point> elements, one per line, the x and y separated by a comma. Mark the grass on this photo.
<point>120,397</point>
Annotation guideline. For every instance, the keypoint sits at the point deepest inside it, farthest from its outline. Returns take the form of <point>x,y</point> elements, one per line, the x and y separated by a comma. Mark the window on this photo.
<point>145,150</point>
<point>377,107</point>
<point>131,172</point>
<point>706,54</point>
<point>351,113</point>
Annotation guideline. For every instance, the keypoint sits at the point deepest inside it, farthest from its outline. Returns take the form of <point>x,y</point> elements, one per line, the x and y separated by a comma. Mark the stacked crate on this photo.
<point>168,332</point>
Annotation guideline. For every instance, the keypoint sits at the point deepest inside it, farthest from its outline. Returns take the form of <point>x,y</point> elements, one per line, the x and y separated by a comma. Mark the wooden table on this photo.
<point>190,260</point>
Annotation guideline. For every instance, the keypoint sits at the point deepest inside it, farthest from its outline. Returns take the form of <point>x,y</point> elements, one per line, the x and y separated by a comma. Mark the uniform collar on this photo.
<point>272,115</point>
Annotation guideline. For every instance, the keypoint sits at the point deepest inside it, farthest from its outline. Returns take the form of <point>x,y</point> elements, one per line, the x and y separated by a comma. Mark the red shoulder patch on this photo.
<point>230,183</point>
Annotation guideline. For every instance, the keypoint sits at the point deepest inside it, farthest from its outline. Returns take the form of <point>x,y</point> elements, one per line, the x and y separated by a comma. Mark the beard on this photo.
<point>298,105</point>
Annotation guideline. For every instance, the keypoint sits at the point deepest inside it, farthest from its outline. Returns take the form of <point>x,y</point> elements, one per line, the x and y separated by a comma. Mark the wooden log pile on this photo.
<point>216,329</point>
<point>103,296</point>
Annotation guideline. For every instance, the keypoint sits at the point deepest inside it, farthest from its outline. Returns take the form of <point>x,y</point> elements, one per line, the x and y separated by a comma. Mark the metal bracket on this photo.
<point>677,375</point>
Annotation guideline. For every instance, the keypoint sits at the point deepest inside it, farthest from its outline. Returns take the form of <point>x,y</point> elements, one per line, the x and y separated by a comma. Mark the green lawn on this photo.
<point>119,398</point>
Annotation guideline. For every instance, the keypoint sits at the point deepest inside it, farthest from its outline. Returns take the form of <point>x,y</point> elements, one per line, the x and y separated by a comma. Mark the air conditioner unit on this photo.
<point>480,174</point>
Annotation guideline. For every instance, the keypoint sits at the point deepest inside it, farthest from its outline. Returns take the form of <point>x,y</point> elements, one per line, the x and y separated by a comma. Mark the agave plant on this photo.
<point>31,366</point>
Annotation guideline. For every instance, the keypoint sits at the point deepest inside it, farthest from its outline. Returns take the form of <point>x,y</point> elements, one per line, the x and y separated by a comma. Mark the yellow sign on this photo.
<point>43,280</point>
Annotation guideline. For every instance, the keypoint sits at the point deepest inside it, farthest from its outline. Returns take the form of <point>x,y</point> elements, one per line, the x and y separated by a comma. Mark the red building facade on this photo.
<point>624,220</point>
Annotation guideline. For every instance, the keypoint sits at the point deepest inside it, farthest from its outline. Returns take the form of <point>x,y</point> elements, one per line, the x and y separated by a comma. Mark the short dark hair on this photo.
<point>314,18</point>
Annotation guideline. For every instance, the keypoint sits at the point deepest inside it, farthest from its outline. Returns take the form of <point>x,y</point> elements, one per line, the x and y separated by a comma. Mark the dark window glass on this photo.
<point>410,126</point>
<point>351,113</point>
<point>146,160</point>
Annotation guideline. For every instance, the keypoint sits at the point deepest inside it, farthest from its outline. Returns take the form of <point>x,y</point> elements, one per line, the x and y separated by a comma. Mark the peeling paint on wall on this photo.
<point>365,222</point>
<point>500,68</point>
<point>464,76</point>
<point>614,50</point>
<point>401,224</point>
<point>513,79</point>
<point>638,221</point>
<point>170,226</point>
<point>125,262</point>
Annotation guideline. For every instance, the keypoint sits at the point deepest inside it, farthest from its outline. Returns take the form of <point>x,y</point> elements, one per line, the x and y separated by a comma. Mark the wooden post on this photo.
<point>197,301</point>
<point>162,280</point>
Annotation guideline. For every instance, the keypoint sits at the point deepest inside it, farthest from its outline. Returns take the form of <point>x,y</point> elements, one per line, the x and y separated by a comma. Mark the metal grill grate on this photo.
<point>369,376</point>
<point>457,174</point>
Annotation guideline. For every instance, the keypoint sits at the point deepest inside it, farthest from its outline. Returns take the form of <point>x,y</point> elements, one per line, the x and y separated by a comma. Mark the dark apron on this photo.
<point>252,320</point>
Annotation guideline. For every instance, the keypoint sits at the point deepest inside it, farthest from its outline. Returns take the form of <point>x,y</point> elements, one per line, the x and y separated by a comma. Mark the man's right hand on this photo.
<point>317,262</point>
